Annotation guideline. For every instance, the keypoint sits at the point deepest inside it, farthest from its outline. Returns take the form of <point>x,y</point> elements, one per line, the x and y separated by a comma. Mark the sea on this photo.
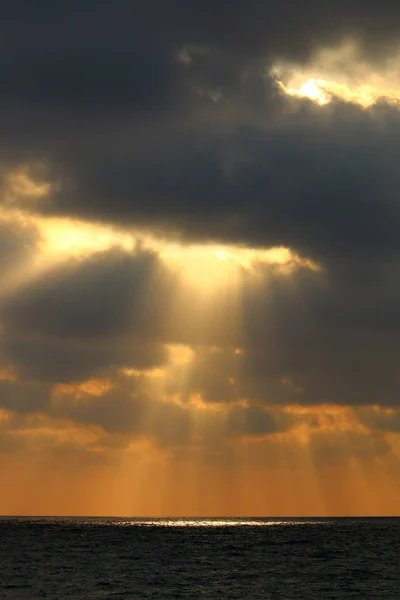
<point>124,558</point>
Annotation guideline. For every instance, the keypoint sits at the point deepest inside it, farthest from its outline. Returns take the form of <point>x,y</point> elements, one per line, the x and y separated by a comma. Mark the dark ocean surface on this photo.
<point>120,559</point>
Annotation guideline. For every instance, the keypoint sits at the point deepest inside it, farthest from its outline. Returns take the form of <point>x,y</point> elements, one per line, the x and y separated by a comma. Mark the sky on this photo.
<point>200,258</point>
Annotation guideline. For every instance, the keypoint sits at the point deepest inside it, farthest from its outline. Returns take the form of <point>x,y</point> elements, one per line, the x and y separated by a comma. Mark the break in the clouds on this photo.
<point>199,249</point>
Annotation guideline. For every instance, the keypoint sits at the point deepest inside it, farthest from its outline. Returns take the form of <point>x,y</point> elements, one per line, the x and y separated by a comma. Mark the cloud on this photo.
<point>323,186</point>
<point>307,337</point>
<point>252,421</point>
<point>24,398</point>
<point>380,419</point>
<point>74,300</point>
<point>77,319</point>
<point>213,245</point>
<point>17,242</point>
<point>55,359</point>
<point>119,166</point>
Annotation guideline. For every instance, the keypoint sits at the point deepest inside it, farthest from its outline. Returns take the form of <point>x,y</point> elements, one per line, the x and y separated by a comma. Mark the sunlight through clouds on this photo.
<point>206,267</point>
<point>73,238</point>
<point>198,300</point>
<point>341,72</point>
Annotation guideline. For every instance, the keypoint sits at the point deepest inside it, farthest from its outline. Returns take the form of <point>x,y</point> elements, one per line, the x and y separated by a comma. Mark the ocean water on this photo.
<point>121,559</point>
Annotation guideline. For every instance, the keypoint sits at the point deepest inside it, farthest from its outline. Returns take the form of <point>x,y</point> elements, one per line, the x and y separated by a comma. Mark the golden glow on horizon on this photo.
<point>341,73</point>
<point>268,476</point>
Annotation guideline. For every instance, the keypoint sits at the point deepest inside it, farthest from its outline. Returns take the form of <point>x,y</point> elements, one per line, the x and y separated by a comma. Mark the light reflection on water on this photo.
<point>176,522</point>
<point>215,523</point>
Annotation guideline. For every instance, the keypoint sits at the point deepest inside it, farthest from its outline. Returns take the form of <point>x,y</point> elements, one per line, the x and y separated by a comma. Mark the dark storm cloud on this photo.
<point>161,115</point>
<point>137,134</point>
<point>56,359</point>
<point>257,27</point>
<point>95,297</point>
<point>93,65</point>
<point>323,189</point>
<point>77,320</point>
